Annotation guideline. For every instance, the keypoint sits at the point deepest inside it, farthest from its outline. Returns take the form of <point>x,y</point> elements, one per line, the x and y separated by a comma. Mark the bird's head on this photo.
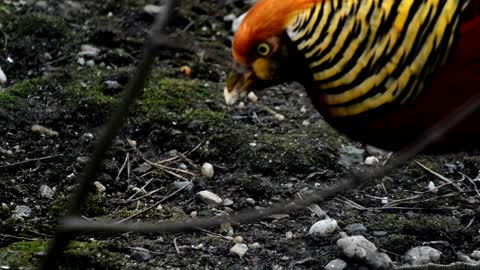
<point>261,52</point>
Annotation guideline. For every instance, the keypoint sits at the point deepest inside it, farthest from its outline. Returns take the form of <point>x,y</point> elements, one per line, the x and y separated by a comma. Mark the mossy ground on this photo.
<point>254,154</point>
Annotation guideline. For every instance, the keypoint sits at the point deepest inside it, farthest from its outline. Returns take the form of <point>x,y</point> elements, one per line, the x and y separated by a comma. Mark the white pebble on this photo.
<point>371,160</point>
<point>88,50</point>
<point>241,105</point>
<point>238,239</point>
<point>227,202</point>
<point>254,245</point>
<point>81,61</point>
<point>422,255</point>
<point>250,201</point>
<point>305,123</point>
<point>3,77</point>
<point>132,143</point>
<point>323,227</point>
<point>209,197</point>
<point>44,131</point>
<point>252,97</point>
<point>239,249</point>
<point>153,9</point>
<point>336,264</point>
<point>46,191</point>
<point>432,187</point>
<point>384,200</point>
<point>289,235</point>
<point>207,170</point>
<point>90,63</point>
<point>99,187</point>
<point>303,109</point>
<point>279,117</point>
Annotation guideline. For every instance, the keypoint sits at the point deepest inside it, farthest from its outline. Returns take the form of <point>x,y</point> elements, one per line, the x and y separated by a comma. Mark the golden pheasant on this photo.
<point>380,71</point>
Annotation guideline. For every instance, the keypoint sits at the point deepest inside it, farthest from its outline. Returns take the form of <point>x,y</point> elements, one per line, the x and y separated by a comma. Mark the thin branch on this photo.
<point>28,161</point>
<point>154,205</point>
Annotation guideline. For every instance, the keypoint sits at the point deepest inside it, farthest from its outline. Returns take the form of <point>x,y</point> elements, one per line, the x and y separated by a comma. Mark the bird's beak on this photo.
<point>237,85</point>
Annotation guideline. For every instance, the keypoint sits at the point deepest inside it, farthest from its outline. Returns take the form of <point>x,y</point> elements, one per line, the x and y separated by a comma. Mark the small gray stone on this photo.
<point>21,211</point>
<point>46,191</point>
<point>227,202</point>
<point>360,249</point>
<point>41,4</point>
<point>324,227</point>
<point>90,63</point>
<point>112,85</point>
<point>356,228</point>
<point>422,255</point>
<point>336,264</point>
<point>140,254</point>
<point>379,233</point>
<point>81,61</point>
<point>239,249</point>
<point>209,197</point>
<point>182,184</point>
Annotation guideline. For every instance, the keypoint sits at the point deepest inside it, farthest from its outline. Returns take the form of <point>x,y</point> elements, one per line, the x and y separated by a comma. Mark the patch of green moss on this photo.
<point>177,100</point>
<point>295,151</point>
<point>94,205</point>
<point>86,86</point>
<point>13,97</point>
<point>435,226</point>
<point>432,225</point>
<point>22,254</point>
<point>93,254</point>
<point>396,243</point>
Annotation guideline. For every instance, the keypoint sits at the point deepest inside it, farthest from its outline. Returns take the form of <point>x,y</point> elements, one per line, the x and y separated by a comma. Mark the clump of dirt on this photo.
<point>177,124</point>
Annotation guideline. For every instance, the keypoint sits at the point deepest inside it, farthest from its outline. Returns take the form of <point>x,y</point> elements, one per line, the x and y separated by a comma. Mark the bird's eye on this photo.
<point>263,49</point>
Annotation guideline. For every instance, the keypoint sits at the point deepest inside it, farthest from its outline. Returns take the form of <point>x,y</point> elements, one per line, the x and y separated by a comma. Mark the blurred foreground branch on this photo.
<point>135,86</point>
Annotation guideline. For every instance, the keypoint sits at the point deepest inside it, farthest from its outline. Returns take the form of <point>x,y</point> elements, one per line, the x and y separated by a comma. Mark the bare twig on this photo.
<point>168,168</point>
<point>154,205</point>
<point>431,266</point>
<point>123,166</point>
<point>28,161</point>
<point>18,237</point>
<point>446,180</point>
<point>139,190</point>
<point>176,246</point>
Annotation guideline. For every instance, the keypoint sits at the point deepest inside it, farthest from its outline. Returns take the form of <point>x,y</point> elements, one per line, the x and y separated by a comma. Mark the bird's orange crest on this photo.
<point>265,19</point>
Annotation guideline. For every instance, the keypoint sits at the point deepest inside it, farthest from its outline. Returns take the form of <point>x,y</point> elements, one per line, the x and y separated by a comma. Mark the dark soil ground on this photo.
<point>258,159</point>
